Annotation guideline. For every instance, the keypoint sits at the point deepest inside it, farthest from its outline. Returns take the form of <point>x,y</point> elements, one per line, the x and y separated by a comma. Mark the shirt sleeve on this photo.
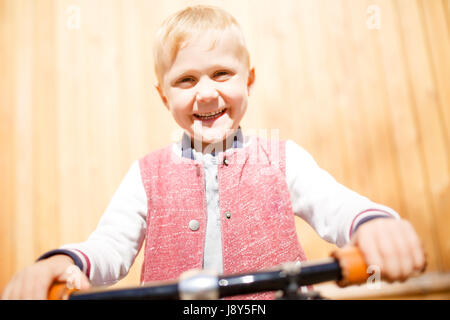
<point>331,209</point>
<point>111,249</point>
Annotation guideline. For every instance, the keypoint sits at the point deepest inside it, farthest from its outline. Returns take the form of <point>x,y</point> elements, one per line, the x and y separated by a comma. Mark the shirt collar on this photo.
<point>187,150</point>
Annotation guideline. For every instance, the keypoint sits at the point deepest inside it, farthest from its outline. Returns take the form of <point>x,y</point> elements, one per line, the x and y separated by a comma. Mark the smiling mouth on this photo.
<point>210,115</point>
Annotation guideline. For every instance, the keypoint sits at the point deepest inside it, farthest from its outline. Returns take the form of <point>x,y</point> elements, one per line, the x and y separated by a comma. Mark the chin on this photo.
<point>213,139</point>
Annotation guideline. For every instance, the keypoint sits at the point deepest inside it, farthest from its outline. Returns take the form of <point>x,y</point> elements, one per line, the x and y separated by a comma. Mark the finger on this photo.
<point>32,281</point>
<point>42,285</point>
<point>14,287</point>
<point>6,295</point>
<point>369,249</point>
<point>85,283</point>
<point>404,259</point>
<point>16,292</point>
<point>390,269</point>
<point>27,287</point>
<point>7,292</point>
<point>415,247</point>
<point>75,278</point>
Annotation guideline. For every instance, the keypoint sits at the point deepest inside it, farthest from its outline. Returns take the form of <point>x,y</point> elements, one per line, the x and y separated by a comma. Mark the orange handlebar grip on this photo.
<point>353,266</point>
<point>59,291</point>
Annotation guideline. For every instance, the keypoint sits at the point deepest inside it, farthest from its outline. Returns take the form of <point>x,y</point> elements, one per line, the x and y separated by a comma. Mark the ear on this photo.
<point>251,79</point>
<point>161,94</point>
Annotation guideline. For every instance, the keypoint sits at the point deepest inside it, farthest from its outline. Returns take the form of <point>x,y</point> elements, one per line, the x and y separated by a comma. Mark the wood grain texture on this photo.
<point>368,98</point>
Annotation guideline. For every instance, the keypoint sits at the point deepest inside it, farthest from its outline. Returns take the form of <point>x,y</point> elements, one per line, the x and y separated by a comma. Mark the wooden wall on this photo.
<point>363,85</point>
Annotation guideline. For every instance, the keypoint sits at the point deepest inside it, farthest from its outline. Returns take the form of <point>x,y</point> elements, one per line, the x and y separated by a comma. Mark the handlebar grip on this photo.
<point>353,266</point>
<point>59,291</point>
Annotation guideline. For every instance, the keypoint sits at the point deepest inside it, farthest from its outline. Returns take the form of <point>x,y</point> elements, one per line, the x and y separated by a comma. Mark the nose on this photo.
<point>206,91</point>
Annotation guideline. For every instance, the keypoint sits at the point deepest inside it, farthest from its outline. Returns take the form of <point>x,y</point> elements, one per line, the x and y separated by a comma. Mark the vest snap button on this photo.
<point>228,214</point>
<point>194,225</point>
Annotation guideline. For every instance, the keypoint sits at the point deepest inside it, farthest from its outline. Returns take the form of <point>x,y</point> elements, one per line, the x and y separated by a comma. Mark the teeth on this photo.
<point>210,114</point>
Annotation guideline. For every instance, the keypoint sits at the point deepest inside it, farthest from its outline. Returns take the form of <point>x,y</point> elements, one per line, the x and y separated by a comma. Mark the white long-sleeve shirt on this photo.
<point>329,207</point>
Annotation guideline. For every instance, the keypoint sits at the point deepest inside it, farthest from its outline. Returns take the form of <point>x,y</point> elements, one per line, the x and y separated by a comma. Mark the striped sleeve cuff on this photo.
<point>79,258</point>
<point>366,216</point>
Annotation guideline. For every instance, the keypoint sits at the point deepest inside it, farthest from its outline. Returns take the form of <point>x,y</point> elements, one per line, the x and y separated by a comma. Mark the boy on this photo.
<point>218,200</point>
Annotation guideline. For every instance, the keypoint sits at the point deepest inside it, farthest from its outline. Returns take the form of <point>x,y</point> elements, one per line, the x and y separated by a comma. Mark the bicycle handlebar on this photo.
<point>346,266</point>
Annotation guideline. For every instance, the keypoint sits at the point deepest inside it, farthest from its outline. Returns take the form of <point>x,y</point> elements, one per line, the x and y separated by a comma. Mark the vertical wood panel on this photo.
<point>44,130</point>
<point>319,108</point>
<point>430,126</point>
<point>382,179</point>
<point>74,113</point>
<point>24,218</point>
<point>408,138</point>
<point>446,8</point>
<point>437,26</point>
<point>343,96</point>
<point>438,45</point>
<point>326,116</point>
<point>7,254</point>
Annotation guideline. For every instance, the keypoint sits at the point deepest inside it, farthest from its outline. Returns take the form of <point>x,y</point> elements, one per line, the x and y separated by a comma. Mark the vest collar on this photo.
<point>187,150</point>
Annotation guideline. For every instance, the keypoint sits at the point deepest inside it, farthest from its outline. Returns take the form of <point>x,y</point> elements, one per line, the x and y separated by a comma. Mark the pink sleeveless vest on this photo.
<point>257,221</point>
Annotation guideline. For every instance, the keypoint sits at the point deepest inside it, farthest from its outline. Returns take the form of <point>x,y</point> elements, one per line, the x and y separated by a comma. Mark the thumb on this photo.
<point>75,278</point>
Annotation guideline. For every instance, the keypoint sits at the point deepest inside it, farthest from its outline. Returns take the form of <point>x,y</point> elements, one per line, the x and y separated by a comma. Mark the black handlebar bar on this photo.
<point>203,285</point>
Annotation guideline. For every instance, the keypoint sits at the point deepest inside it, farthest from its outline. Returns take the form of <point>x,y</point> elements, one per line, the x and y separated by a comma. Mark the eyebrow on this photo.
<point>213,67</point>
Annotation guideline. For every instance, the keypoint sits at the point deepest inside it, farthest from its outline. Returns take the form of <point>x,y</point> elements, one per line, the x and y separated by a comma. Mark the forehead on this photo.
<point>212,47</point>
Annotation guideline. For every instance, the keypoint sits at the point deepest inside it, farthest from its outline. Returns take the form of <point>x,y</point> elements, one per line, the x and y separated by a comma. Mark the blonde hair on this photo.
<point>178,28</point>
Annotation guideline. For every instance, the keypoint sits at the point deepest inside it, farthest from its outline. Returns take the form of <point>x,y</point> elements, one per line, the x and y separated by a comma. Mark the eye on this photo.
<point>186,80</point>
<point>222,75</point>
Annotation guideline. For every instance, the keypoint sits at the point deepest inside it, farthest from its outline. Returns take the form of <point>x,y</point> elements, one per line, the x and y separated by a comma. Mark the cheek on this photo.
<point>236,95</point>
<point>180,102</point>
<point>239,104</point>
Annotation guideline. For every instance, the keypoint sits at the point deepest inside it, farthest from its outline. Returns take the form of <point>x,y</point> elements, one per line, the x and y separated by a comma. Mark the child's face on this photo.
<point>206,90</point>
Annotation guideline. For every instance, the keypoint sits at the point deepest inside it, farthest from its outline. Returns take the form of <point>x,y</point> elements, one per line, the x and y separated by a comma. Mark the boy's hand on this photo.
<point>393,245</point>
<point>34,281</point>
